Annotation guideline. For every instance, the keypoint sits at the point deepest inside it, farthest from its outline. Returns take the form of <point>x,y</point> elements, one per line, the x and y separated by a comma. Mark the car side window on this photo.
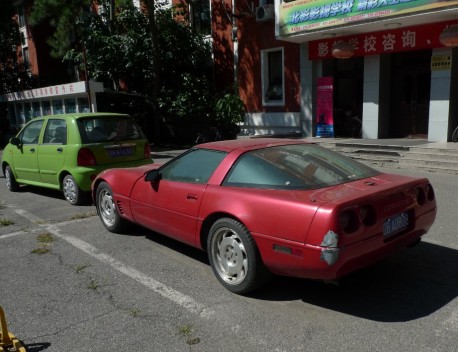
<point>31,133</point>
<point>55,132</point>
<point>195,166</point>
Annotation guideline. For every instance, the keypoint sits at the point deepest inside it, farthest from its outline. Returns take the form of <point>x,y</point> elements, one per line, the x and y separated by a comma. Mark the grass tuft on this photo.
<point>79,216</point>
<point>6,222</point>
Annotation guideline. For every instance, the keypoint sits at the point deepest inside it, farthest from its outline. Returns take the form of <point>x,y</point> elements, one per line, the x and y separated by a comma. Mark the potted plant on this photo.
<point>229,112</point>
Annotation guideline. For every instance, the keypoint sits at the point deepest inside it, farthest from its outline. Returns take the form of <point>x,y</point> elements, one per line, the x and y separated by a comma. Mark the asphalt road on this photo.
<point>67,284</point>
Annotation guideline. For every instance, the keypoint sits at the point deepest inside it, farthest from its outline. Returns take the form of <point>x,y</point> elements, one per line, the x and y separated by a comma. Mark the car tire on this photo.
<point>11,182</point>
<point>107,210</point>
<point>234,257</point>
<point>72,193</point>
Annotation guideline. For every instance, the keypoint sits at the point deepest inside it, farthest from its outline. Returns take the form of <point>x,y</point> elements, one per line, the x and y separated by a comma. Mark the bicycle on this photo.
<point>455,135</point>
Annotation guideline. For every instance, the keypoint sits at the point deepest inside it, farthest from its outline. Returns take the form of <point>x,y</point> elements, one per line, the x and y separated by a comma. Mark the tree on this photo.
<point>124,50</point>
<point>13,74</point>
<point>63,17</point>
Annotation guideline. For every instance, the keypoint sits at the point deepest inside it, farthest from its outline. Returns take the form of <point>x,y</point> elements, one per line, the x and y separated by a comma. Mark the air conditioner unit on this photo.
<point>265,13</point>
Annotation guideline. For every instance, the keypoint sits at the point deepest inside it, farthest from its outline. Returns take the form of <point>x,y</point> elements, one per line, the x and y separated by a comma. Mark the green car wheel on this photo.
<point>72,193</point>
<point>11,182</point>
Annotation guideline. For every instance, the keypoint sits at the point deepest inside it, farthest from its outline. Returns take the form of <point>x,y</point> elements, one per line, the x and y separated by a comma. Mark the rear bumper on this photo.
<point>312,264</point>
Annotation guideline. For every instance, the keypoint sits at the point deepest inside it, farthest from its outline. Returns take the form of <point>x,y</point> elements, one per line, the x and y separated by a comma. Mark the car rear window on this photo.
<point>301,166</point>
<point>108,129</point>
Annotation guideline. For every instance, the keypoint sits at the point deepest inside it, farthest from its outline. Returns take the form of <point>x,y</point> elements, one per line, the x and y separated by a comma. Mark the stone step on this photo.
<point>432,159</point>
<point>418,155</point>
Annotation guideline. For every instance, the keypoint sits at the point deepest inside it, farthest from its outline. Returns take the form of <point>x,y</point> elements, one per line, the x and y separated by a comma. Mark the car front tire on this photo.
<point>234,257</point>
<point>72,193</point>
<point>11,182</point>
<point>107,210</point>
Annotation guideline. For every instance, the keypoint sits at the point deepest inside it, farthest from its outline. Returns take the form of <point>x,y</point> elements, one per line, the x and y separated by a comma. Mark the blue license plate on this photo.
<point>120,152</point>
<point>396,224</point>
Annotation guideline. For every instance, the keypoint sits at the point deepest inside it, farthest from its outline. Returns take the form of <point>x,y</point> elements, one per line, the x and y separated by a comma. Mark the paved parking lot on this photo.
<point>67,284</point>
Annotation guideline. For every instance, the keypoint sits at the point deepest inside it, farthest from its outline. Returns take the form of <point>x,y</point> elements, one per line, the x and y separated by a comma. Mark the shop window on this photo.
<point>28,112</point>
<point>20,113</point>
<point>70,105</point>
<point>57,107</point>
<point>83,105</point>
<point>200,16</point>
<point>46,106</point>
<point>272,77</point>
<point>36,109</point>
<point>12,114</point>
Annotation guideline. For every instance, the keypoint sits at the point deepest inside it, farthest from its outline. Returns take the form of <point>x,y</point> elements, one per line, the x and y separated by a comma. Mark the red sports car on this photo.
<point>263,206</point>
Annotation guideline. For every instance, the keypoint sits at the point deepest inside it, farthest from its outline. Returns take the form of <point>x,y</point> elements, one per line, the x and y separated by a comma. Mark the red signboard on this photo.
<point>385,42</point>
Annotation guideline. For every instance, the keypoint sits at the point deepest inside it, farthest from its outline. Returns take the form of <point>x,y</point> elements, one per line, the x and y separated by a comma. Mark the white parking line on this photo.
<point>175,296</point>
<point>29,216</point>
<point>167,292</point>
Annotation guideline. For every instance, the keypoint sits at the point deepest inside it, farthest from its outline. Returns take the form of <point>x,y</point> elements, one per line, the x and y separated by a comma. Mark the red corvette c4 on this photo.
<point>263,206</point>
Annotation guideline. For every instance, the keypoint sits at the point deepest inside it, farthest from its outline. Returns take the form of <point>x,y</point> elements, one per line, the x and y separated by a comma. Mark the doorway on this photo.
<point>348,95</point>
<point>410,94</point>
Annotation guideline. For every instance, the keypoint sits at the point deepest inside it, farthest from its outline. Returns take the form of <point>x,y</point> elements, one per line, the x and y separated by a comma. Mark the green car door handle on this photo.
<point>60,150</point>
<point>32,150</point>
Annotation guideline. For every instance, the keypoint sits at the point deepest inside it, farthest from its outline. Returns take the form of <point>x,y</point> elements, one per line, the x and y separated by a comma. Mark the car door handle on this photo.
<point>60,150</point>
<point>192,196</point>
<point>32,150</point>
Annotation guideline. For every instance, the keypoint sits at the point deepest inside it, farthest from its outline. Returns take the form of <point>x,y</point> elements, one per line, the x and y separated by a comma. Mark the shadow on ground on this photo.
<point>409,285</point>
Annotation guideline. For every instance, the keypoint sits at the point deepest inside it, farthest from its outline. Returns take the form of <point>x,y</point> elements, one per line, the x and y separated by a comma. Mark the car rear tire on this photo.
<point>72,193</point>
<point>11,182</point>
<point>234,257</point>
<point>107,210</point>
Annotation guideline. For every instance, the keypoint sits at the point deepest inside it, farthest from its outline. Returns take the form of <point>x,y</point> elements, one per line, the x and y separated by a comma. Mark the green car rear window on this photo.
<point>108,129</point>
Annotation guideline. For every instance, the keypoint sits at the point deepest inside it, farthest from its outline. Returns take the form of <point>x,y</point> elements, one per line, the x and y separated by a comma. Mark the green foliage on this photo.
<point>63,17</point>
<point>188,98</point>
<point>229,108</point>
<point>13,76</point>
<point>166,60</point>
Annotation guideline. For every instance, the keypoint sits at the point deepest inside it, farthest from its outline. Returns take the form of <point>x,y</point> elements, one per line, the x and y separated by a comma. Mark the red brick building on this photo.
<point>314,67</point>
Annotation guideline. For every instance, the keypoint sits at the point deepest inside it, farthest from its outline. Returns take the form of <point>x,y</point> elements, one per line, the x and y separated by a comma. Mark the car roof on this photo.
<point>75,116</point>
<point>250,143</point>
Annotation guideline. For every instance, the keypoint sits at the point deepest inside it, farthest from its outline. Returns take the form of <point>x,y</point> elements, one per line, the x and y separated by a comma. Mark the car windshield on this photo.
<point>301,166</point>
<point>108,129</point>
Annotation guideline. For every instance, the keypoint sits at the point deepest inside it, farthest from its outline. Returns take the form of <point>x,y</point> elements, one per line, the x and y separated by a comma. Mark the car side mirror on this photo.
<point>153,176</point>
<point>15,141</point>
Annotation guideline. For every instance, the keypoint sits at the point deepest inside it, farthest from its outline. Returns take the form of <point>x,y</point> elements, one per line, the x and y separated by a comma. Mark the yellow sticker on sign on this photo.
<point>441,62</point>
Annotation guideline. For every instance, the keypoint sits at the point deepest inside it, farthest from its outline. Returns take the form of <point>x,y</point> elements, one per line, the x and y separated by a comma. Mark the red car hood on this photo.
<point>122,180</point>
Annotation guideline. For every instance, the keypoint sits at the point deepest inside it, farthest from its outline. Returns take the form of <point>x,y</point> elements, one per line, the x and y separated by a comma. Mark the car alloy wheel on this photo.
<point>11,183</point>
<point>71,191</point>
<point>106,208</point>
<point>229,255</point>
<point>234,257</point>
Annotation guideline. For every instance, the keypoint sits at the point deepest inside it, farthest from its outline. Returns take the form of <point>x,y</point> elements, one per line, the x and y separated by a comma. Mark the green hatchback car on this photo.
<point>66,152</point>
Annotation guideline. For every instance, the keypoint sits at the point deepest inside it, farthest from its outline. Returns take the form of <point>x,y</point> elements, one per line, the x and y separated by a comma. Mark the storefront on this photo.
<point>65,98</point>
<point>386,62</point>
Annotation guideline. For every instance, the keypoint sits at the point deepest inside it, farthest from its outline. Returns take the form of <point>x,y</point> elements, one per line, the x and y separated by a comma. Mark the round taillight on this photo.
<point>349,221</point>
<point>368,215</point>
<point>86,157</point>
<point>420,195</point>
<point>430,192</point>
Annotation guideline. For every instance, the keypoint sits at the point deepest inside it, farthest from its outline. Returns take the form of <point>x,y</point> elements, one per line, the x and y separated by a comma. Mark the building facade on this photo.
<point>351,68</point>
